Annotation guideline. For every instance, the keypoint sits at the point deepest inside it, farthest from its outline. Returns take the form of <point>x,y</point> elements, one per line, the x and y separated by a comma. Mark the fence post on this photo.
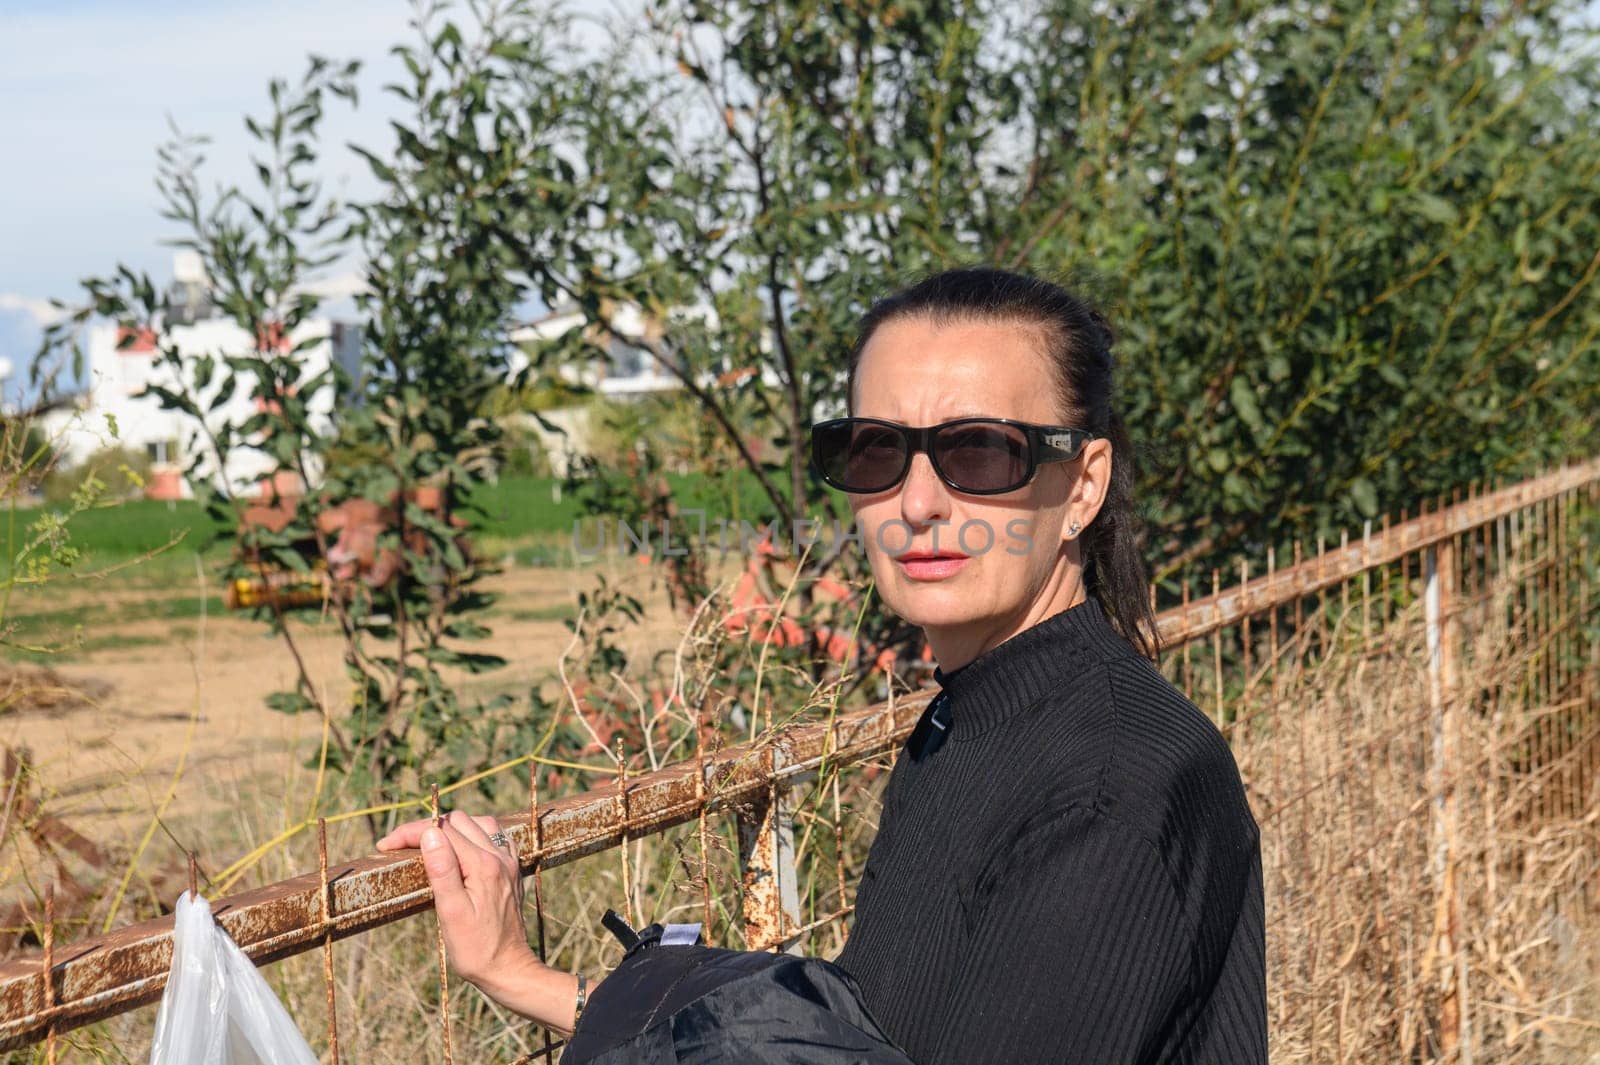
<point>1439,574</point>
<point>767,863</point>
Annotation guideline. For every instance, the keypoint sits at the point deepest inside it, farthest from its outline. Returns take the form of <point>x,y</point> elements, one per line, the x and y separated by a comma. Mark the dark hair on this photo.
<point>1078,340</point>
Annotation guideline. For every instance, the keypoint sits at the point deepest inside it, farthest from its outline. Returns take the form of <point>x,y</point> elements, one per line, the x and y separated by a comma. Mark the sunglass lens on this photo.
<point>983,456</point>
<point>859,456</point>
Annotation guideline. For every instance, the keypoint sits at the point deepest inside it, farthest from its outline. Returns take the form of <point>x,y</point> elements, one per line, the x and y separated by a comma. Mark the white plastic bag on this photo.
<point>217,1009</point>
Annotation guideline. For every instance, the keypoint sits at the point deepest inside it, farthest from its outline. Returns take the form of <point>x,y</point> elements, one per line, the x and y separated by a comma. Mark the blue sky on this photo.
<point>85,90</point>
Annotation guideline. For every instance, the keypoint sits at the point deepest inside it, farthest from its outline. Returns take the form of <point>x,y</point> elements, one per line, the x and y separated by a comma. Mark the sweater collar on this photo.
<point>1019,671</point>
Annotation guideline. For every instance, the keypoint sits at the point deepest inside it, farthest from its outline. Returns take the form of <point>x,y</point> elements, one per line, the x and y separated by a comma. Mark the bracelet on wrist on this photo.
<point>583,998</point>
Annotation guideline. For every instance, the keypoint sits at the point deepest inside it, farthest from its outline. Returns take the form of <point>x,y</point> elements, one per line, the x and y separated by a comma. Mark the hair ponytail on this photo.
<point>1114,568</point>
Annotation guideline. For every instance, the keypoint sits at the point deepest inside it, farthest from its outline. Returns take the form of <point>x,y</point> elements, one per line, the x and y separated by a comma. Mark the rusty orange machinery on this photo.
<point>352,534</point>
<point>279,587</point>
<point>274,584</point>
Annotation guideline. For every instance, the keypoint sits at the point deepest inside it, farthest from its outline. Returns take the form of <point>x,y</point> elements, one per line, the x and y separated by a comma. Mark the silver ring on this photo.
<point>499,840</point>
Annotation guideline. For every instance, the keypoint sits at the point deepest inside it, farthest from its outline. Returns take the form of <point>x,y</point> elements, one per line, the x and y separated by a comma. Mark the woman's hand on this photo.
<point>477,893</point>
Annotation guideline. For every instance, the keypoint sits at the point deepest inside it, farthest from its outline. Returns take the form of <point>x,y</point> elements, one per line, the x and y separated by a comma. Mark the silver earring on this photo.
<point>1072,530</point>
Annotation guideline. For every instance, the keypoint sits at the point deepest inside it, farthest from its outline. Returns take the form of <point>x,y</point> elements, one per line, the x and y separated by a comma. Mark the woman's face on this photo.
<point>1010,560</point>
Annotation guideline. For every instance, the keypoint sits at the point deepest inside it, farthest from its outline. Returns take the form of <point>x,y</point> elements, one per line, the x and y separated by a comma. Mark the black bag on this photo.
<point>674,1001</point>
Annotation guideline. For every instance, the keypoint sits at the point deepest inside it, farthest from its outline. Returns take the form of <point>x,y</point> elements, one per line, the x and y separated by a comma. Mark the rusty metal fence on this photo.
<point>1525,554</point>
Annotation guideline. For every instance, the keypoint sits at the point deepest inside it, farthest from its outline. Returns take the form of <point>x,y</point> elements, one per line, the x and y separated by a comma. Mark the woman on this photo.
<point>1066,868</point>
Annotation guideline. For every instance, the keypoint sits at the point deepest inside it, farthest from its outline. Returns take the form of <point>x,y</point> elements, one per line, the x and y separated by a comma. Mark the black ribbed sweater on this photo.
<point>1074,875</point>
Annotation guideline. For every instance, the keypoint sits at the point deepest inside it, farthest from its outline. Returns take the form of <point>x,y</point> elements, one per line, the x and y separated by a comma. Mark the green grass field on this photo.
<point>144,560</point>
<point>524,507</point>
<point>515,511</point>
<point>158,541</point>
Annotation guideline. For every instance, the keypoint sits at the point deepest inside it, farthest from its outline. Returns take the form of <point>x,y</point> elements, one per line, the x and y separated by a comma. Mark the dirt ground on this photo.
<point>185,713</point>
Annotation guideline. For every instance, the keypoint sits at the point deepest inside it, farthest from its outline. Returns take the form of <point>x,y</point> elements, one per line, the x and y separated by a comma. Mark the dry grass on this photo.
<point>1339,754</point>
<point>29,689</point>
<point>1357,820</point>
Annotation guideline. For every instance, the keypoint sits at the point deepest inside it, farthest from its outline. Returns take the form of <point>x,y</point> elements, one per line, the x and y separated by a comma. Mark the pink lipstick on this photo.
<point>922,565</point>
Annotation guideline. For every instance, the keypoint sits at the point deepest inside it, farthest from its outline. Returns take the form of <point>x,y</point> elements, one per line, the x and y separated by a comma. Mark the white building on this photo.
<point>113,411</point>
<point>121,366</point>
<point>629,370</point>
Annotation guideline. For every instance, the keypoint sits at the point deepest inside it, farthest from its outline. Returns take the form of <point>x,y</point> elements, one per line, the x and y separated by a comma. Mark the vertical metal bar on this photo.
<point>1272,618</point>
<point>1216,643</point>
<point>1480,562</point>
<point>444,969</point>
<point>1542,649</point>
<point>1244,622</point>
<point>1344,585</point>
<point>700,806</point>
<point>1535,578</point>
<point>1436,654</point>
<point>838,828</point>
<point>1188,645</point>
<point>1592,700</point>
<point>1505,587</point>
<point>1366,586</point>
<point>1384,606</point>
<point>1439,580</point>
<point>326,895</point>
<point>1510,538</point>
<point>1469,544</point>
<point>622,833</point>
<point>1564,588</point>
<point>1322,600</point>
<point>1589,777</point>
<point>1568,560</point>
<point>1405,561</point>
<point>1576,659</point>
<point>1519,600</point>
<point>1547,701</point>
<point>1563,716</point>
<point>49,974</point>
<point>536,830</point>
<point>1523,631</point>
<point>771,903</point>
<point>1552,717</point>
<point>1553,616</point>
<point>1490,581</point>
<point>1552,733</point>
<point>1545,566</point>
<point>1299,614</point>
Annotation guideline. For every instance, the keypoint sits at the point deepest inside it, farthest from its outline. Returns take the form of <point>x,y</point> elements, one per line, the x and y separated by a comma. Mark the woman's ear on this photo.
<point>1092,485</point>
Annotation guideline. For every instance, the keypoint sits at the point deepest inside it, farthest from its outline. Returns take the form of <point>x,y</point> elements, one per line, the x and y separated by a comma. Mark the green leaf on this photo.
<point>289,702</point>
<point>1244,401</point>
<point>1364,496</point>
<point>1435,208</point>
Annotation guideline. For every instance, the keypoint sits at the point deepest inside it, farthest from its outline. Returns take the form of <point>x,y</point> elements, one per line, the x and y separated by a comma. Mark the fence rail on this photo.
<point>74,984</point>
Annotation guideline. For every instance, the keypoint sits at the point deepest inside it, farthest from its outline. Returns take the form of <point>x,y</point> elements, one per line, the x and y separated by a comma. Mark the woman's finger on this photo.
<point>476,896</point>
<point>410,833</point>
<point>472,830</point>
<point>481,864</point>
<point>476,830</point>
<point>406,835</point>
<point>440,861</point>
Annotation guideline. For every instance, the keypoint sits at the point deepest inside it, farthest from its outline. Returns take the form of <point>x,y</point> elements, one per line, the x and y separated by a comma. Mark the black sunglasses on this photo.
<point>978,456</point>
